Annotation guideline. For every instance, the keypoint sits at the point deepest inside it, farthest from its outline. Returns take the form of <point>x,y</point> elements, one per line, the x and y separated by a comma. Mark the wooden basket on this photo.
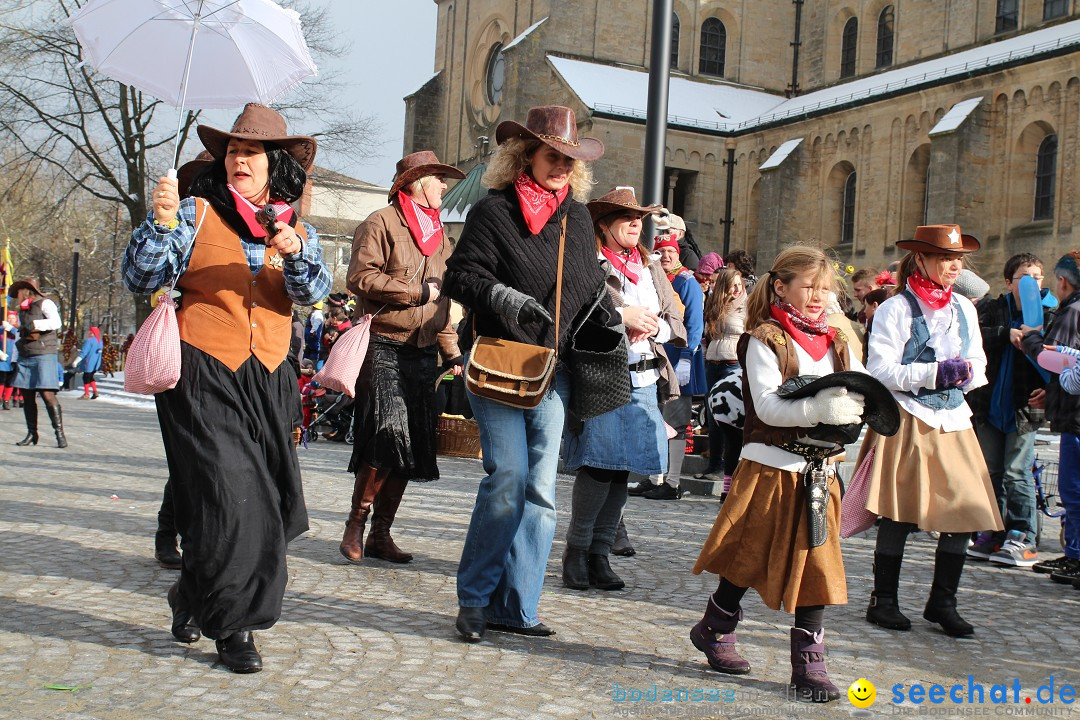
<point>458,437</point>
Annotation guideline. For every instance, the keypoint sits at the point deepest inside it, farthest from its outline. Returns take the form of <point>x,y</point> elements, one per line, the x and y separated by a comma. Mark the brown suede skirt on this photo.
<point>935,479</point>
<point>759,540</point>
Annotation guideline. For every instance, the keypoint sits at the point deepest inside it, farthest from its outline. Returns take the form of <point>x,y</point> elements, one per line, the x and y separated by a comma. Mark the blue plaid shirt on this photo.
<point>155,256</point>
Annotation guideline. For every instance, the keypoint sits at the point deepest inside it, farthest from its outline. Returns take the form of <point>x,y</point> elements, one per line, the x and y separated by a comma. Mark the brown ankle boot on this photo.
<point>379,543</point>
<point>365,488</point>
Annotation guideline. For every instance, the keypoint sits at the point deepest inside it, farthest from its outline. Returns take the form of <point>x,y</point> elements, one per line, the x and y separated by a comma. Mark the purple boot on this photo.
<point>715,636</point>
<point>809,680</point>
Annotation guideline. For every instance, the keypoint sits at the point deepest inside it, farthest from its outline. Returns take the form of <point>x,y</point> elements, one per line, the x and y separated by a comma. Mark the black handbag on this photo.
<point>599,365</point>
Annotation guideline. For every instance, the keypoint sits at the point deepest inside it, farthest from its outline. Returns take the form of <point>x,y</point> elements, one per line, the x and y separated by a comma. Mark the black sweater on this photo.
<point>497,247</point>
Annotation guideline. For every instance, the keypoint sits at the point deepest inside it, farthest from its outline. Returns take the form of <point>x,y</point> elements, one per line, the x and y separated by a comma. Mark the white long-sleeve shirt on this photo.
<point>892,330</point>
<point>51,321</point>
<point>764,377</point>
<point>643,293</point>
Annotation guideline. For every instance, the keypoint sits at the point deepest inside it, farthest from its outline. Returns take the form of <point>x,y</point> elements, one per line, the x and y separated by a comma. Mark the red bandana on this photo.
<point>247,210</point>
<point>929,291</point>
<point>813,336</point>
<point>628,262</point>
<point>537,203</point>
<point>424,224</point>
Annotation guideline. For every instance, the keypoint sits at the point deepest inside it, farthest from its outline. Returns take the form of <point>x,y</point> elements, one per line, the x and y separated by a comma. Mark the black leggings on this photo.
<point>607,476</point>
<point>728,596</point>
<point>30,406</point>
<point>892,537</point>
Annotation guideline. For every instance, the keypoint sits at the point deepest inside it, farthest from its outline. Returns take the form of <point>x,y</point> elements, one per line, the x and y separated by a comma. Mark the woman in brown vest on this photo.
<point>228,424</point>
<point>38,374</point>
<point>761,537</point>
<point>399,257</point>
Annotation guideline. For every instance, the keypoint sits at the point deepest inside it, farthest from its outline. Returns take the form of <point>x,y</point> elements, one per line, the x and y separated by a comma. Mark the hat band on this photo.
<point>556,138</point>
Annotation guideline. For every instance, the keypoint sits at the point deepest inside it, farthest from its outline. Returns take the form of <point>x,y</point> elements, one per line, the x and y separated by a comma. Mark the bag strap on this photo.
<point>558,284</point>
<point>198,226</point>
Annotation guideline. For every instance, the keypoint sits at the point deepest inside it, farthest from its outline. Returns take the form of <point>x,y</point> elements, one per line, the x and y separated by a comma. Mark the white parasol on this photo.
<point>196,53</point>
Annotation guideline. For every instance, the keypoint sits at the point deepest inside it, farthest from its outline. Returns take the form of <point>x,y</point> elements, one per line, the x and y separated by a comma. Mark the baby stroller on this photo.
<point>327,412</point>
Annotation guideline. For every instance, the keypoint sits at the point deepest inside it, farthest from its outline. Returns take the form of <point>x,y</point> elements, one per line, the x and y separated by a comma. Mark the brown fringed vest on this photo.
<point>770,333</point>
<point>226,311</point>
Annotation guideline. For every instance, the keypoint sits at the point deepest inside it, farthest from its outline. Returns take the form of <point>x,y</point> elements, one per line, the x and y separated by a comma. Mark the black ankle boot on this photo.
<point>56,415</point>
<point>184,628</point>
<point>238,652</point>
<point>884,607</point>
<point>601,575</point>
<point>575,569</point>
<point>941,606</point>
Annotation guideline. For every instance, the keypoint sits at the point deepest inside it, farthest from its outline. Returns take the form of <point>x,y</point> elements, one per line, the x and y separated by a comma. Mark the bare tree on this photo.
<point>110,141</point>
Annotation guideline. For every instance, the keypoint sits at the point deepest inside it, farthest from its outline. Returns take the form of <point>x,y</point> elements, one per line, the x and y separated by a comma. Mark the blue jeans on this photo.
<point>1009,457</point>
<point>513,521</point>
<point>1069,488</point>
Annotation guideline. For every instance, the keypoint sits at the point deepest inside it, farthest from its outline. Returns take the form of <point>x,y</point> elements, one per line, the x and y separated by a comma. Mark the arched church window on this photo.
<point>886,36</point>
<point>1045,178</point>
<point>847,225</point>
<point>1055,9</point>
<point>675,26</point>
<point>848,44</point>
<point>496,74</point>
<point>1008,16</point>
<point>713,47</point>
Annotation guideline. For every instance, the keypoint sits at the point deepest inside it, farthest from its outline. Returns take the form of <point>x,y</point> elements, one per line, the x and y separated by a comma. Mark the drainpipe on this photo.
<point>728,220</point>
<point>656,119</point>
<point>794,89</point>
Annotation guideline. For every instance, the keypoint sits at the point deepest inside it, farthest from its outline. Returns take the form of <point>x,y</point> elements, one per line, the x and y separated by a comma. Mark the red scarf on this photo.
<point>628,262</point>
<point>247,210</point>
<point>675,271</point>
<point>813,336</point>
<point>929,291</point>
<point>537,203</point>
<point>424,224</point>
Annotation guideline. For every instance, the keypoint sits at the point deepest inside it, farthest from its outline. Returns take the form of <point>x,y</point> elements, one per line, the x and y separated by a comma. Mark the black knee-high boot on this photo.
<point>56,415</point>
<point>941,606</point>
<point>30,414</point>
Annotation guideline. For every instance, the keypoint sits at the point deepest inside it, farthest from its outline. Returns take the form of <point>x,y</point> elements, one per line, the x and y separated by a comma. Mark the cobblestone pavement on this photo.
<point>83,605</point>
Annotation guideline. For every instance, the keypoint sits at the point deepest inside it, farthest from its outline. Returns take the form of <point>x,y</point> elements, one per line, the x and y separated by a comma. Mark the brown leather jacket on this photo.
<point>387,268</point>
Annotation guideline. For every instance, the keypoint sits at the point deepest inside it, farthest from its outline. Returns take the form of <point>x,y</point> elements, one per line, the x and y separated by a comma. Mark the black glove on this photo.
<point>533,311</point>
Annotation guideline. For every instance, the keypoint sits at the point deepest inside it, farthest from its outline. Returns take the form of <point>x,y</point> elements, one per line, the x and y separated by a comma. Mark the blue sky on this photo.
<point>392,55</point>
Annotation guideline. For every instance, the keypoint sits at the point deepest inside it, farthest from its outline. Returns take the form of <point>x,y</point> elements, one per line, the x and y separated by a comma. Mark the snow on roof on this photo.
<point>956,64</point>
<point>525,34</point>
<point>780,155</point>
<point>695,103</point>
<point>955,117</point>
<point>728,107</point>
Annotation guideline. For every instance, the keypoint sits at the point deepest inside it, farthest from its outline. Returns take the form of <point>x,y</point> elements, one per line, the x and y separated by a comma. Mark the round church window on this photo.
<point>496,74</point>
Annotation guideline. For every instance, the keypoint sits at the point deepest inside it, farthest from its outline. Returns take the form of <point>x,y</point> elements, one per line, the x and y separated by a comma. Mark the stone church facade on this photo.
<point>849,122</point>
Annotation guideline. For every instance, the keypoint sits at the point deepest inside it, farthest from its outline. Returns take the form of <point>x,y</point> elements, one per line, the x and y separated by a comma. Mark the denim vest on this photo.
<point>918,350</point>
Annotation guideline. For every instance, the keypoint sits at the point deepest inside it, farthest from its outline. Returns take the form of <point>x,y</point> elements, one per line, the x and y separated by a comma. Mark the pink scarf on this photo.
<point>813,336</point>
<point>537,204</point>
<point>929,291</point>
<point>424,224</point>
<point>627,262</point>
<point>247,210</point>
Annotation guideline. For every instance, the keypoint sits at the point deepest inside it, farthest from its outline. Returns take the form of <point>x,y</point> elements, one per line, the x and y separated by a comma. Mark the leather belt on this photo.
<point>645,364</point>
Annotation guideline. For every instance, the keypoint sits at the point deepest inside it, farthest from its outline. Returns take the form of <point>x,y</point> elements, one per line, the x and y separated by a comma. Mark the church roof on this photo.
<point>693,103</point>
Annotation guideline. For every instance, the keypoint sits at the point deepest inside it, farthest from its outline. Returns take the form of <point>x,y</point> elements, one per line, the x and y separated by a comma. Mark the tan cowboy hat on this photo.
<point>24,284</point>
<point>555,126</point>
<point>258,122</point>
<point>187,172</point>
<point>618,199</point>
<point>940,239</point>
<point>417,165</point>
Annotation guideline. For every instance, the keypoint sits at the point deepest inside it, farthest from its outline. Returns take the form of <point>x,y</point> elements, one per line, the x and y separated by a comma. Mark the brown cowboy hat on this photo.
<point>618,199</point>
<point>940,239</point>
<point>24,284</point>
<point>555,126</point>
<point>417,165</point>
<point>187,172</point>
<point>258,122</point>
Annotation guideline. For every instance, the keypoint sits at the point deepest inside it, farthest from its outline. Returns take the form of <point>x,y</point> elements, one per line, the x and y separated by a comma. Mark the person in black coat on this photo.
<point>504,270</point>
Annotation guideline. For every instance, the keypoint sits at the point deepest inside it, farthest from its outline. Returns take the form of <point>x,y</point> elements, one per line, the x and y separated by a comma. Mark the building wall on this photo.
<point>980,176</point>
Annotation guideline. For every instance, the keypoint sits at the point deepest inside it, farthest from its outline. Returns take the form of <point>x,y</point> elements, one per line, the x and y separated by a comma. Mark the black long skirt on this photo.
<point>236,487</point>
<point>394,413</point>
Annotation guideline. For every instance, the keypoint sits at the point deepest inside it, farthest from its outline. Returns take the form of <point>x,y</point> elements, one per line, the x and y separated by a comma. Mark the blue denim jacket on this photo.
<point>918,350</point>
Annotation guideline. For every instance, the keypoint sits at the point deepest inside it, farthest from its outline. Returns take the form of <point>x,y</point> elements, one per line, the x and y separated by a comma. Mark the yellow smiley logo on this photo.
<point>862,693</point>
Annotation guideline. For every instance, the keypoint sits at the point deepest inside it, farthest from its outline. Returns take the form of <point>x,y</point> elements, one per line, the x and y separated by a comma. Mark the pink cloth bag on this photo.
<point>854,517</point>
<point>153,360</point>
<point>346,358</point>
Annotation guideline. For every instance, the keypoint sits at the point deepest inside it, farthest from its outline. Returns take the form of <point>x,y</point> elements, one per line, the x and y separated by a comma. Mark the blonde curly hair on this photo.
<point>513,156</point>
